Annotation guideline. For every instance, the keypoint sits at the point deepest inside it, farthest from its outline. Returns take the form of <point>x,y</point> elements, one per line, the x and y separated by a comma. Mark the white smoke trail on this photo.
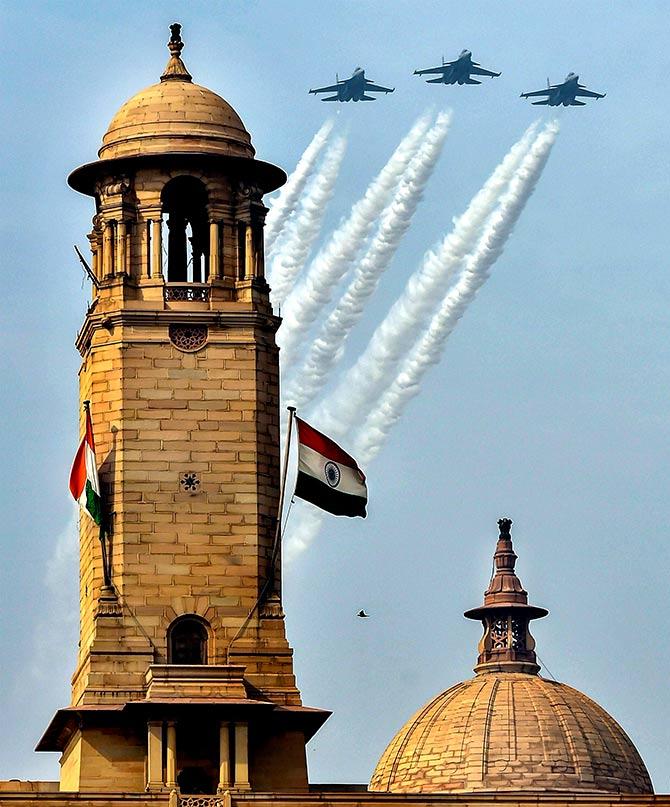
<point>362,384</point>
<point>304,529</point>
<point>333,261</point>
<point>303,229</point>
<point>328,347</point>
<point>285,203</point>
<point>428,350</point>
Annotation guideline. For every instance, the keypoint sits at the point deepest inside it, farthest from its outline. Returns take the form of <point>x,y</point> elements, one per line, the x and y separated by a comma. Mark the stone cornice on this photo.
<point>222,320</point>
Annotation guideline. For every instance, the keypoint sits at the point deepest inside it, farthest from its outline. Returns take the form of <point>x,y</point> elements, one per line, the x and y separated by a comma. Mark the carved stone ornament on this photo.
<point>251,192</point>
<point>189,482</point>
<point>188,338</point>
<point>118,186</point>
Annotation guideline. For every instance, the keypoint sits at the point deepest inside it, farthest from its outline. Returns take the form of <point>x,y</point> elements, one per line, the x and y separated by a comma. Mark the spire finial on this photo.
<point>175,69</point>
<point>507,644</point>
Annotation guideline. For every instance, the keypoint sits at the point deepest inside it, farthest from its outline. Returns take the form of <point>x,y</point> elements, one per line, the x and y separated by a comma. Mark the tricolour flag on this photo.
<point>84,483</point>
<point>327,476</point>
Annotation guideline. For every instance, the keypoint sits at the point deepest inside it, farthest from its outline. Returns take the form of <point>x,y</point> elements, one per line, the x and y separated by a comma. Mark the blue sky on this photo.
<point>550,404</point>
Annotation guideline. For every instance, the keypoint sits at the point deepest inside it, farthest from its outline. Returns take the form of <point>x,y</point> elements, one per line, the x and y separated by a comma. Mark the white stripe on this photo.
<point>313,464</point>
<point>91,471</point>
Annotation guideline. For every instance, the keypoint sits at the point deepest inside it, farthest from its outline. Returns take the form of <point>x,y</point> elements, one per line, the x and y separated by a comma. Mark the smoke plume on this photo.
<point>303,228</point>
<point>362,384</point>
<point>333,261</point>
<point>285,203</point>
<point>428,350</point>
<point>328,347</point>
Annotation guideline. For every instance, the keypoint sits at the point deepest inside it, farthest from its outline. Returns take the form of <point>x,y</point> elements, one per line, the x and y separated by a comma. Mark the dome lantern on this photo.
<point>507,644</point>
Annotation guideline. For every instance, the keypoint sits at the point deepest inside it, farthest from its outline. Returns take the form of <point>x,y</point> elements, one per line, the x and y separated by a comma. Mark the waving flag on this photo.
<point>328,477</point>
<point>84,482</point>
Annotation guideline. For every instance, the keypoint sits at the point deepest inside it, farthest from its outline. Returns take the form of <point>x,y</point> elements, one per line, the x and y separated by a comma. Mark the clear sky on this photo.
<point>550,405</point>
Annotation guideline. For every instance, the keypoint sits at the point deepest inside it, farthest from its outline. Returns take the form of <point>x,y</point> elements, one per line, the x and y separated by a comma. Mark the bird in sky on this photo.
<point>362,614</point>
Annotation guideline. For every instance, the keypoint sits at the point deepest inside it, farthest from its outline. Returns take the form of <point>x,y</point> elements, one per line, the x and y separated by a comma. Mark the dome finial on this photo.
<point>175,69</point>
<point>507,643</point>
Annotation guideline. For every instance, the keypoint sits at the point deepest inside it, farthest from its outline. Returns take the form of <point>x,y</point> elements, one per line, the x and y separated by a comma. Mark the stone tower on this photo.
<point>184,676</point>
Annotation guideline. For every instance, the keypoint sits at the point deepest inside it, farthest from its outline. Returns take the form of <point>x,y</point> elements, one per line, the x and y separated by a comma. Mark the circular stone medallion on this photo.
<point>188,338</point>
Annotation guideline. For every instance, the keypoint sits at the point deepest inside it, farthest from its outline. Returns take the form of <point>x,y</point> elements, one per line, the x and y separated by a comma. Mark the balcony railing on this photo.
<point>187,292</point>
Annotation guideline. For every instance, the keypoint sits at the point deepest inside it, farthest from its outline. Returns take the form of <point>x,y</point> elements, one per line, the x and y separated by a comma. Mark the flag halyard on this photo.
<point>328,477</point>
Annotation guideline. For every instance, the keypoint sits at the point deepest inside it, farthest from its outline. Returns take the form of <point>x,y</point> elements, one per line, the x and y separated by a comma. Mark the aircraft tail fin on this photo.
<point>368,98</point>
<point>472,81</point>
<point>331,98</point>
<point>548,82</point>
<point>541,103</point>
<point>575,102</point>
<point>436,80</point>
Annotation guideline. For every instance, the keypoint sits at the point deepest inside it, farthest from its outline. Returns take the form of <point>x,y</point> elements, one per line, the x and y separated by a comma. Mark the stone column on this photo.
<point>242,756</point>
<point>121,247</point>
<point>214,256</point>
<point>95,262</point>
<point>108,249</point>
<point>156,249</point>
<point>154,755</point>
<point>224,757</point>
<point>171,756</point>
<point>250,258</point>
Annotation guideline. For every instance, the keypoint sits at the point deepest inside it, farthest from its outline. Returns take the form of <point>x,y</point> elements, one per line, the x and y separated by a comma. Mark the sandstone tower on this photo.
<point>184,674</point>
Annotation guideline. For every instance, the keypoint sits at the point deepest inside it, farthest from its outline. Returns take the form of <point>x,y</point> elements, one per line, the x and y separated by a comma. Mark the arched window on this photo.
<point>187,641</point>
<point>185,207</point>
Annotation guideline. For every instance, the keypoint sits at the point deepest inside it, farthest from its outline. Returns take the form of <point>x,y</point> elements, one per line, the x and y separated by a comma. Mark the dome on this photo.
<point>508,729</point>
<point>508,732</point>
<point>176,116</point>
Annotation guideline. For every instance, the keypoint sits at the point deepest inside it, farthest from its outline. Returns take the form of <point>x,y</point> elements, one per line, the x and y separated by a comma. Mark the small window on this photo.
<point>187,641</point>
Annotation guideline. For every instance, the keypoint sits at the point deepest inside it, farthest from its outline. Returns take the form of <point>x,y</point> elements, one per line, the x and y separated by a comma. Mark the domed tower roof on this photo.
<point>176,117</point>
<point>509,729</point>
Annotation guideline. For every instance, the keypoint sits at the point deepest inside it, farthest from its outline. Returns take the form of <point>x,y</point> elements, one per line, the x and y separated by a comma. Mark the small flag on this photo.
<point>84,483</point>
<point>327,476</point>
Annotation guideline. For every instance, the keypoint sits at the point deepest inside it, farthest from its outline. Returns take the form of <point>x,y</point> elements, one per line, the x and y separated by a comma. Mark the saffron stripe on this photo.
<point>309,436</point>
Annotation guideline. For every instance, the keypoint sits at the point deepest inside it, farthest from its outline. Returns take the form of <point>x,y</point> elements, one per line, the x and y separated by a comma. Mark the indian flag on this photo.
<point>327,476</point>
<point>84,482</point>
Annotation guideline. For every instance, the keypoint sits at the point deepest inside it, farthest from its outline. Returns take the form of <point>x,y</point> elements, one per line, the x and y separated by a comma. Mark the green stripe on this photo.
<point>93,504</point>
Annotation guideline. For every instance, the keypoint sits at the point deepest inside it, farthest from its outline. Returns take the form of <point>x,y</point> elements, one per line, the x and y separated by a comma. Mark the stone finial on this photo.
<point>505,525</point>
<point>175,69</point>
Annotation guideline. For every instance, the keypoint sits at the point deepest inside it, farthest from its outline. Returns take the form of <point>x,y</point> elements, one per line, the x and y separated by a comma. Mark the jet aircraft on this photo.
<point>565,93</point>
<point>352,89</point>
<point>457,72</point>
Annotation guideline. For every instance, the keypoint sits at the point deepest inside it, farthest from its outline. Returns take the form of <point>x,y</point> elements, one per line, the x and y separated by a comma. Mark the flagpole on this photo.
<point>106,579</point>
<point>270,586</point>
<point>275,587</point>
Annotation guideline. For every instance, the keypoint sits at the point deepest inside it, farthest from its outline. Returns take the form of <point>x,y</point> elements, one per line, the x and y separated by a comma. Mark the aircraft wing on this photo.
<point>441,69</point>
<point>377,87</point>
<point>589,93</point>
<point>331,88</point>
<point>537,92</point>
<point>476,70</point>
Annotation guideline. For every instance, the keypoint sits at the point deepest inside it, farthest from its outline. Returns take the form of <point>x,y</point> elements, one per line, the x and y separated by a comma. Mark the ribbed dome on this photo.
<point>508,729</point>
<point>511,731</point>
<point>176,116</point>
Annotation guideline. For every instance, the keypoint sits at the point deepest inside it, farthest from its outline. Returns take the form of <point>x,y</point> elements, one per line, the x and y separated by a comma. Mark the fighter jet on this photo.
<point>352,89</point>
<point>458,72</point>
<point>565,93</point>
